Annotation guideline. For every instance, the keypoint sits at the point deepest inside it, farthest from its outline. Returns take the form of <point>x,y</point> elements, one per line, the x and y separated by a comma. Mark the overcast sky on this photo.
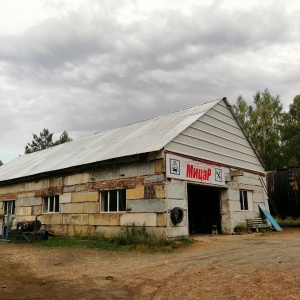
<point>88,66</point>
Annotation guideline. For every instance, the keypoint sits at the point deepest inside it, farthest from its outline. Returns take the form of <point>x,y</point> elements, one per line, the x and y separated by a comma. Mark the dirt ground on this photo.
<point>253,266</point>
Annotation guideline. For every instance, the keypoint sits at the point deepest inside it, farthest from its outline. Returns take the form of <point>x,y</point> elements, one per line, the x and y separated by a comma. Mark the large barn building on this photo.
<point>177,174</point>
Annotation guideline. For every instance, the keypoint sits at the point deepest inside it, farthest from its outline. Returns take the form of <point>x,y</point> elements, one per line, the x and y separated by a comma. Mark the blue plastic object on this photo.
<point>269,217</point>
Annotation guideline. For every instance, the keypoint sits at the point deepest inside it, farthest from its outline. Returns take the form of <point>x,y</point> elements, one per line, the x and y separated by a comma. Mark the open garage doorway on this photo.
<point>203,209</point>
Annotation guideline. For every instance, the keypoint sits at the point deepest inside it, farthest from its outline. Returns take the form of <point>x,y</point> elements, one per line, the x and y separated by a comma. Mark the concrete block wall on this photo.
<point>80,204</point>
<point>232,214</point>
<point>177,197</point>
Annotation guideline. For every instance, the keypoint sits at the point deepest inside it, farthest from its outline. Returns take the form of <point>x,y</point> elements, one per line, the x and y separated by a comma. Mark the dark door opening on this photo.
<point>203,209</point>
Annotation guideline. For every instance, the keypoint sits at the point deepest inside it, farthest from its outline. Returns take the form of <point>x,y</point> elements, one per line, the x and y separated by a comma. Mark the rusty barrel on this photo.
<point>283,187</point>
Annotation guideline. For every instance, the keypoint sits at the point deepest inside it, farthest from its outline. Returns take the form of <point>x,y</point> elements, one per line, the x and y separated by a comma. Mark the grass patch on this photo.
<point>131,237</point>
<point>78,242</point>
<point>289,221</point>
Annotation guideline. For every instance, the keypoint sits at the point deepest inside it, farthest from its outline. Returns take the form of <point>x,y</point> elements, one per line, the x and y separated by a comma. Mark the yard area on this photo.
<point>252,266</point>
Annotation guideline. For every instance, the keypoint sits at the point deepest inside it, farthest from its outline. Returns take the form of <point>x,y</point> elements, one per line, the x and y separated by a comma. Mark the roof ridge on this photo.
<point>153,118</point>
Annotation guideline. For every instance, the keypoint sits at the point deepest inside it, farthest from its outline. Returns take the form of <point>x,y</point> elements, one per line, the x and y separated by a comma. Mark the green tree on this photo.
<point>44,141</point>
<point>243,111</point>
<point>263,123</point>
<point>64,138</point>
<point>291,134</point>
<point>1,163</point>
<point>266,121</point>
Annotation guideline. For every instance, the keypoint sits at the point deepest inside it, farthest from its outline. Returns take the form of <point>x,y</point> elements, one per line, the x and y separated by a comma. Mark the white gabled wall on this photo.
<point>216,136</point>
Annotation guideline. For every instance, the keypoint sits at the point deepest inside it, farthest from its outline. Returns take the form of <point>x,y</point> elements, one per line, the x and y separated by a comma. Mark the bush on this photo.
<point>133,235</point>
<point>241,227</point>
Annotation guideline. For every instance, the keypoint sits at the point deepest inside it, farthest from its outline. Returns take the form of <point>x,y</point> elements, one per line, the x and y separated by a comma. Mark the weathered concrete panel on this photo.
<point>23,211</point>
<point>234,206</point>
<point>160,232</point>
<point>142,205</point>
<point>245,180</point>
<point>177,203</point>
<point>160,166</point>
<point>154,178</point>
<point>111,219</point>
<point>65,198</point>
<point>258,197</point>
<point>227,223</point>
<point>162,220</point>
<point>39,185</point>
<point>54,219</point>
<point>85,197</point>
<point>224,201</point>
<point>74,189</point>
<point>233,195</point>
<point>160,191</point>
<point>104,174</point>
<point>75,219</point>
<point>57,229</point>
<point>176,189</point>
<point>139,219</point>
<point>91,207</point>
<point>73,208</point>
<point>110,231</point>
<point>35,201</point>
<point>76,179</point>
<point>177,231</point>
<point>16,188</point>
<point>28,201</point>
<point>137,170</point>
<point>36,210</point>
<point>107,231</point>
<point>136,193</point>
<point>54,182</point>
<point>1,205</point>
<point>80,230</point>
<point>25,194</point>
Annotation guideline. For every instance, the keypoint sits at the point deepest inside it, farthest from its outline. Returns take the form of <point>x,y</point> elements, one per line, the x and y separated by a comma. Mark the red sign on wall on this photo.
<point>188,169</point>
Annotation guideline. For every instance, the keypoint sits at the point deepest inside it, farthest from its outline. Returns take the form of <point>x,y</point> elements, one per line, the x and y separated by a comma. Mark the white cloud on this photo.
<point>87,66</point>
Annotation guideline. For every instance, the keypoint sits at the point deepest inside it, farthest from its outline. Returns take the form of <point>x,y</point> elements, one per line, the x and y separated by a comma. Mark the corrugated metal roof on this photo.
<point>146,136</point>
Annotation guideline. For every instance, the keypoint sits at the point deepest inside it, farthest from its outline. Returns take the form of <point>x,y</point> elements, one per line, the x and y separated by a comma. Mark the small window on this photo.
<point>51,204</point>
<point>244,200</point>
<point>9,207</point>
<point>113,201</point>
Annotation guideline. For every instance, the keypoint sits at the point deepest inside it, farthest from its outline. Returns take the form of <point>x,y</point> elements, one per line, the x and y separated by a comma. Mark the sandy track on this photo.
<point>250,266</point>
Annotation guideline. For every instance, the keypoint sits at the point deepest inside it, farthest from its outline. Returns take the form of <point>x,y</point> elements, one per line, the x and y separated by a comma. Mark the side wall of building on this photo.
<point>79,199</point>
